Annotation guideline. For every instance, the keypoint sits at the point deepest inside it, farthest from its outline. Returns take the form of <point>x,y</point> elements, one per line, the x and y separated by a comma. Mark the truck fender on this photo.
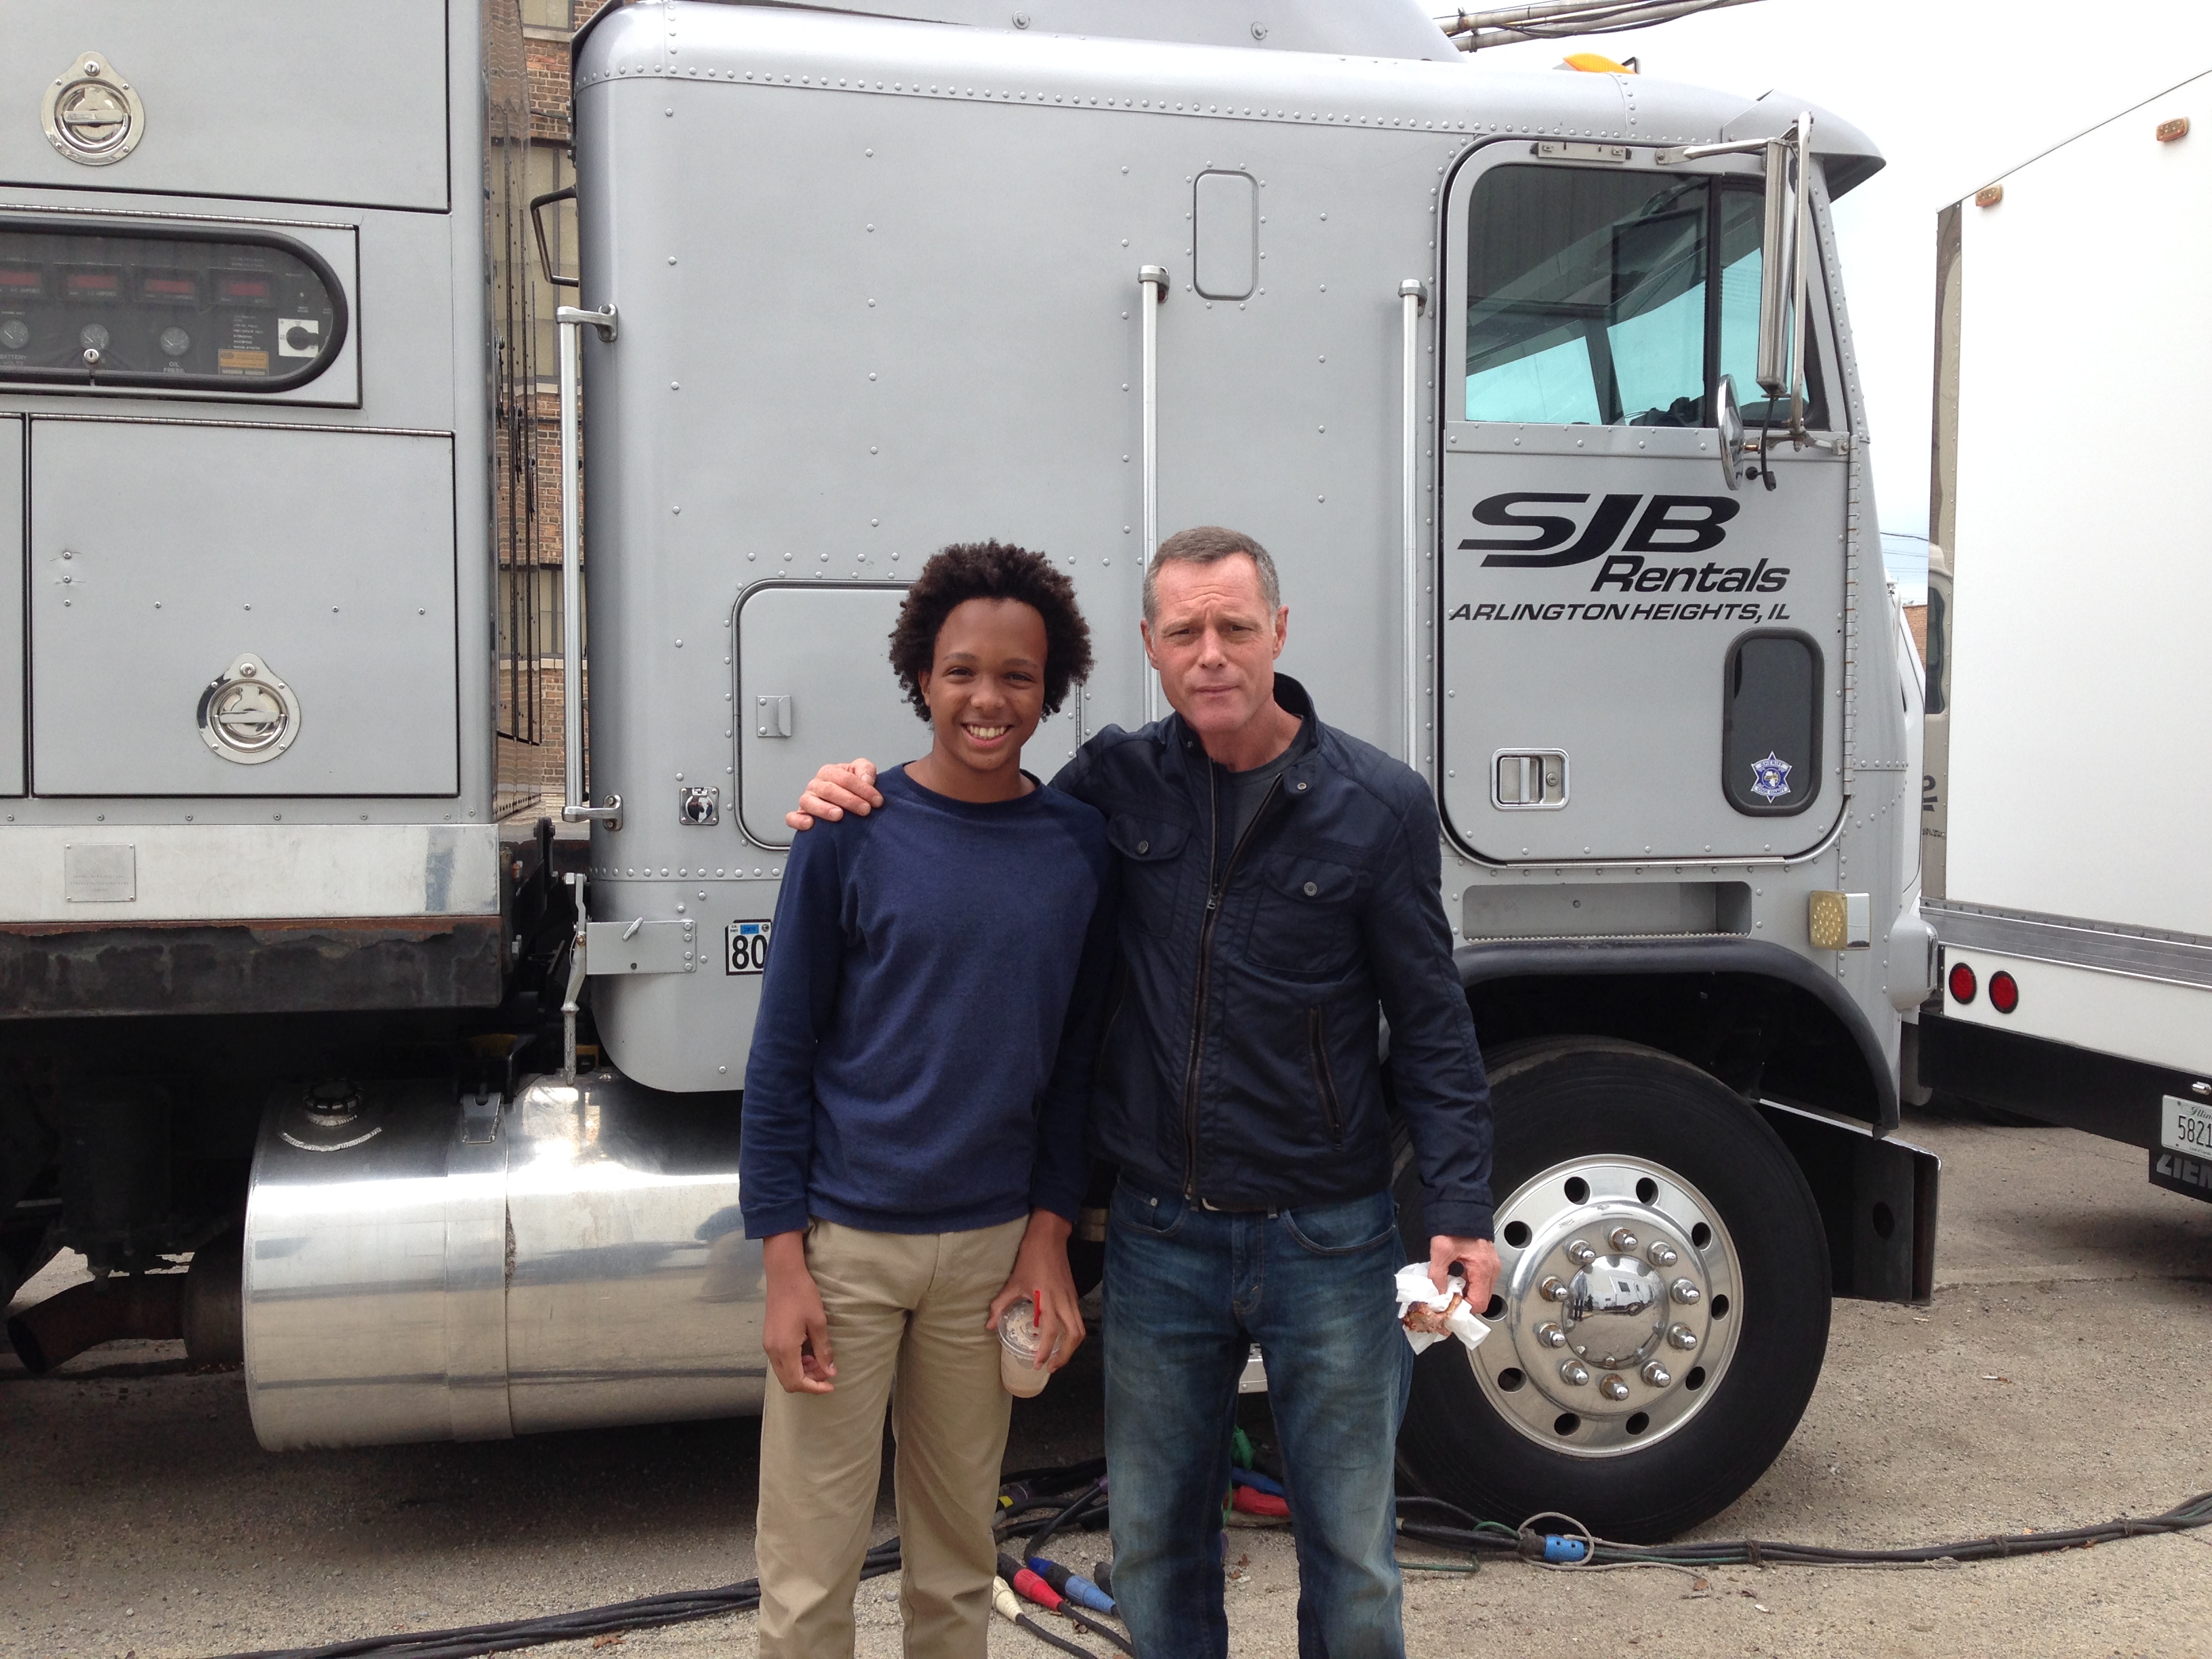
<point>1591,958</point>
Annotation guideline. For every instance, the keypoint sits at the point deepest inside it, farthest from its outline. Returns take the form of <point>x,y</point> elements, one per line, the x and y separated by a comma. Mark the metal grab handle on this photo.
<point>538,206</point>
<point>574,809</point>
<point>1411,296</point>
<point>1154,277</point>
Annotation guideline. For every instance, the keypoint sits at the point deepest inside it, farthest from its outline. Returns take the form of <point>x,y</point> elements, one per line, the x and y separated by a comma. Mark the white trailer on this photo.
<point>2068,815</point>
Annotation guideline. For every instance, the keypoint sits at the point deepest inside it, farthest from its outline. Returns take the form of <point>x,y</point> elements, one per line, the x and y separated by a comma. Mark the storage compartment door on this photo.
<point>814,684</point>
<point>241,98</point>
<point>11,605</point>
<point>167,558</point>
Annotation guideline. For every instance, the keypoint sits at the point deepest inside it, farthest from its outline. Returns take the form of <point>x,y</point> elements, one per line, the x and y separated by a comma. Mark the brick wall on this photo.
<point>531,774</point>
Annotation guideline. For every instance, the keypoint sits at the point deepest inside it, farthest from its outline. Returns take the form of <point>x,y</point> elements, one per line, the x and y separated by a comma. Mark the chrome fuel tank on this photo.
<point>575,1260</point>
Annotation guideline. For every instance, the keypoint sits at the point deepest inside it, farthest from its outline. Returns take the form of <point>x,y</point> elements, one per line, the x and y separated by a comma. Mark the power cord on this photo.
<point>1076,1496</point>
<point>1582,1548</point>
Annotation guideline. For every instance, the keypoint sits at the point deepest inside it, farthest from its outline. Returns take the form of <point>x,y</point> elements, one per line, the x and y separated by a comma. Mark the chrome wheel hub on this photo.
<point>1618,1302</point>
<point>1615,1311</point>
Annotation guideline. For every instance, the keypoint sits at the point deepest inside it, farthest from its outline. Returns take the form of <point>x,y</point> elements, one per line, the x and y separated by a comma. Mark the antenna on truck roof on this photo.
<point>1553,19</point>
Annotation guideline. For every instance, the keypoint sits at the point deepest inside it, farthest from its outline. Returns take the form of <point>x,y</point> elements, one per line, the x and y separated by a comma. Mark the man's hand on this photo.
<point>1477,1256</point>
<point>1041,1266</point>
<point>795,1330</point>
<point>840,788</point>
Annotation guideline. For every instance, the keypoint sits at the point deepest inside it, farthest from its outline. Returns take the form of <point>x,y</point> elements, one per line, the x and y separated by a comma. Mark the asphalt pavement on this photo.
<point>2058,1379</point>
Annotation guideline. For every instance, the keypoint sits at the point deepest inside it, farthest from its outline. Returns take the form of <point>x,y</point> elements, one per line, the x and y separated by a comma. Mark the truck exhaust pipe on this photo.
<point>199,1305</point>
<point>416,1270</point>
<point>147,1306</point>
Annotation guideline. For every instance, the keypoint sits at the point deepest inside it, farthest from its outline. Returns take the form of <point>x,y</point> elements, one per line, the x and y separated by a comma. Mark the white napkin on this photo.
<point>1414,1287</point>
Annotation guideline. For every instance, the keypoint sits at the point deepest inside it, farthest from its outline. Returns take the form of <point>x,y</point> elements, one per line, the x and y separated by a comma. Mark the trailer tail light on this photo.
<point>1962,982</point>
<point>2004,992</point>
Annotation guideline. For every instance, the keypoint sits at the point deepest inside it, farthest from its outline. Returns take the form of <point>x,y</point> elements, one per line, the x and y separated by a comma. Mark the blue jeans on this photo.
<point>1188,1291</point>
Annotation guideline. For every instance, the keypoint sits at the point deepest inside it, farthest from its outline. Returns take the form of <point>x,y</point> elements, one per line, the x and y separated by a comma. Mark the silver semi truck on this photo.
<point>1539,386</point>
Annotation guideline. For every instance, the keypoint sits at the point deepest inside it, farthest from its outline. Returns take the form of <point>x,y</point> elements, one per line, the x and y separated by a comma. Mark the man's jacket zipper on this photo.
<point>1216,885</point>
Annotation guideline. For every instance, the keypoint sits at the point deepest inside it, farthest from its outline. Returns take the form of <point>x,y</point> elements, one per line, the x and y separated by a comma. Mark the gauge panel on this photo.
<point>230,310</point>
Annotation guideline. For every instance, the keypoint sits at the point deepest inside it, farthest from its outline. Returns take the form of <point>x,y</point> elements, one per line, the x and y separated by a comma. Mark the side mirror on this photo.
<point>1781,368</point>
<point>1728,416</point>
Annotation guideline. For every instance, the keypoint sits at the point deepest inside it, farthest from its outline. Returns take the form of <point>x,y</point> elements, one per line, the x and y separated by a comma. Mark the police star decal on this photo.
<point>1770,778</point>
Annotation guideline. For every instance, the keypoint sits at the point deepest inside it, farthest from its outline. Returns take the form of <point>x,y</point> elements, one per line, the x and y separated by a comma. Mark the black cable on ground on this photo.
<point>646,1613</point>
<point>1090,1622</point>
<point>1067,1517</point>
<point>1060,1642</point>
<point>1579,1548</point>
<point>1567,1549</point>
<point>1071,1478</point>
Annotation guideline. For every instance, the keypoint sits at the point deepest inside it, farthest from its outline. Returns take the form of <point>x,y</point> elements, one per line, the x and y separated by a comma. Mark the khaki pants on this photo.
<point>906,1308</point>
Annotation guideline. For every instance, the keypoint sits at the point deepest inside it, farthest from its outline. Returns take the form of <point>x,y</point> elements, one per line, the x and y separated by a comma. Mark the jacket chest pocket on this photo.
<point>1151,855</point>
<point>1305,918</point>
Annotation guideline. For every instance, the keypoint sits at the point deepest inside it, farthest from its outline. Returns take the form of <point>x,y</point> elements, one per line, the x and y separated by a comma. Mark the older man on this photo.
<point>1278,885</point>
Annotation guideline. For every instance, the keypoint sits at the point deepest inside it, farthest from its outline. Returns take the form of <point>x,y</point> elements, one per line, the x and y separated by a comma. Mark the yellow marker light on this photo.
<point>1595,62</point>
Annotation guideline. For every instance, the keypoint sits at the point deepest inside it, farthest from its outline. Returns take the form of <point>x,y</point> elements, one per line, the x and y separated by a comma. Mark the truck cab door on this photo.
<point>1638,661</point>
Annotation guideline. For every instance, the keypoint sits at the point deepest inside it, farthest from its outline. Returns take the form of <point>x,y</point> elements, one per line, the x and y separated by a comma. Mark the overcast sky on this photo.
<point>1955,92</point>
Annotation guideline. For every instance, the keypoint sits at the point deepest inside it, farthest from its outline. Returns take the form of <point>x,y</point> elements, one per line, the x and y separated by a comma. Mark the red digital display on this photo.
<point>93,306</point>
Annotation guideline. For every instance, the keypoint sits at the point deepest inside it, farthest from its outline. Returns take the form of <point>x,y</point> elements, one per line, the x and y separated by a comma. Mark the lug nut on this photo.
<point>1623,1240</point>
<point>1682,1337</point>
<point>1613,1388</point>
<point>1573,1373</point>
<point>1662,1255</point>
<point>1580,1253</point>
<point>1551,1336</point>
<point>1656,1375</point>
<point>1552,1290</point>
<point>1686,1292</point>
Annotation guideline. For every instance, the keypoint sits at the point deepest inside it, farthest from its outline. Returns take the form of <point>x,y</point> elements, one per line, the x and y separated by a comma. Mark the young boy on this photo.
<point>912,1155</point>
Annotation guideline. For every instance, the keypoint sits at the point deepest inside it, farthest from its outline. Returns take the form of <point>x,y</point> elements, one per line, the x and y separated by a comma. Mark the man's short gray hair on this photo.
<point>1210,543</point>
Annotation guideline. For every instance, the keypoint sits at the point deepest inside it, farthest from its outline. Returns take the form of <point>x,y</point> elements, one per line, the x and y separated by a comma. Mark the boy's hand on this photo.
<point>795,1331</point>
<point>1041,1266</point>
<point>840,788</point>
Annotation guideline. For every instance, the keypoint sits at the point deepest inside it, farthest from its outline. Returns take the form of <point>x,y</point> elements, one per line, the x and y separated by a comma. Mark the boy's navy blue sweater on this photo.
<point>928,1022</point>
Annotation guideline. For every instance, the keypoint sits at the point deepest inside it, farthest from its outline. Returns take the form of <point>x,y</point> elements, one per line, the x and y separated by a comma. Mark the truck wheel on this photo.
<point>1662,1310</point>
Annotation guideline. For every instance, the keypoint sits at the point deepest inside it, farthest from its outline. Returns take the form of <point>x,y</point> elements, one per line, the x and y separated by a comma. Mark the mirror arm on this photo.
<point>1674,155</point>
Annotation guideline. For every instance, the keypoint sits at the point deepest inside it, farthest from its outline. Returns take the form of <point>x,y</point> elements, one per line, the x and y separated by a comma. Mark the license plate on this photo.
<point>2185,1126</point>
<point>745,944</point>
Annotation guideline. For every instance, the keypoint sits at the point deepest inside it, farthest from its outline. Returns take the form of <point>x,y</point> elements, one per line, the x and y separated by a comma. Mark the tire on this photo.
<point>1662,1151</point>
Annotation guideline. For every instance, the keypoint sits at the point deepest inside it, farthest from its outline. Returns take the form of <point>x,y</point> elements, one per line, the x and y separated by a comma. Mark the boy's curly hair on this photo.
<point>991,570</point>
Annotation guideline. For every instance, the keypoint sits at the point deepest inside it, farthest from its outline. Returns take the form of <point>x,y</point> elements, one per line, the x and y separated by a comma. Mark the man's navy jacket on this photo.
<point>1239,1063</point>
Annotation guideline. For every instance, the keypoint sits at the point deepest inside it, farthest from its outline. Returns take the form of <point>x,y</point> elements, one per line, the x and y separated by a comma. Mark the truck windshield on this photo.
<point>1611,298</point>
